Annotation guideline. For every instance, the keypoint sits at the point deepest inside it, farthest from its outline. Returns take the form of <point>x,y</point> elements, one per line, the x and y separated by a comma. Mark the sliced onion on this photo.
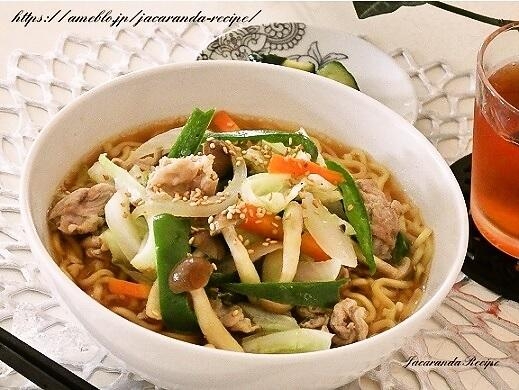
<point>153,303</point>
<point>320,159</point>
<point>124,181</point>
<point>163,141</point>
<point>213,205</point>
<point>244,265</point>
<point>276,147</point>
<point>322,189</point>
<point>98,174</point>
<point>300,155</point>
<point>110,241</point>
<point>327,230</point>
<point>259,250</point>
<point>271,272</point>
<point>317,271</point>
<point>289,341</point>
<point>272,266</point>
<point>139,175</point>
<point>122,225</point>
<point>146,258</point>
<point>292,230</point>
<point>272,191</point>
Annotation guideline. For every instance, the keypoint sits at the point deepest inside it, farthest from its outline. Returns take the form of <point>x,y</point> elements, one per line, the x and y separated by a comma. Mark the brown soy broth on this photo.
<point>78,177</point>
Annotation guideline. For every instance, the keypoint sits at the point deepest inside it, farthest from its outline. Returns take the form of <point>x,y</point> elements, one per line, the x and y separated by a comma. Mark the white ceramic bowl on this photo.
<point>267,91</point>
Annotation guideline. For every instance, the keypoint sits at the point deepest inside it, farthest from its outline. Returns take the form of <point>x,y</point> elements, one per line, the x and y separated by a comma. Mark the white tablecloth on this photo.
<point>430,34</point>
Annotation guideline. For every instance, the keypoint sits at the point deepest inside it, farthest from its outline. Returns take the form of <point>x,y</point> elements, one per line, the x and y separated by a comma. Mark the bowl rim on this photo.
<point>421,313</point>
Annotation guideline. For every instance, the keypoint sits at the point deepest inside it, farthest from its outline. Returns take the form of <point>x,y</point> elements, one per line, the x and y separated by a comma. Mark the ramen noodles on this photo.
<point>242,234</point>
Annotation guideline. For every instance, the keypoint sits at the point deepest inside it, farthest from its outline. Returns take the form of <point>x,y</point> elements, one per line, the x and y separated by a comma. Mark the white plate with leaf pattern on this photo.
<point>376,73</point>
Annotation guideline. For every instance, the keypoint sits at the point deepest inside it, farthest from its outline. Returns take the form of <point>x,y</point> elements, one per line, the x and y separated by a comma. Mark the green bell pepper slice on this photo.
<point>286,138</point>
<point>172,246</point>
<point>192,134</point>
<point>401,248</point>
<point>320,294</point>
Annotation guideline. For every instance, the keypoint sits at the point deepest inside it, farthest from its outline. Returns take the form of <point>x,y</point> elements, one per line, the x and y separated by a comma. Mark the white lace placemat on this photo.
<point>472,322</point>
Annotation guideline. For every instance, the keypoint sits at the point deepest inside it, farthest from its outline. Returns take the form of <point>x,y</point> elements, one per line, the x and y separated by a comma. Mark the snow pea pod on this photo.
<point>192,134</point>
<point>320,294</point>
<point>172,245</point>
<point>286,138</point>
<point>356,212</point>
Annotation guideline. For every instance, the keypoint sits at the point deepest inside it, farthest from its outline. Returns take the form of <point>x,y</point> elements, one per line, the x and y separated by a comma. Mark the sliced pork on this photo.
<point>82,211</point>
<point>348,322</point>
<point>232,317</point>
<point>383,216</point>
<point>183,175</point>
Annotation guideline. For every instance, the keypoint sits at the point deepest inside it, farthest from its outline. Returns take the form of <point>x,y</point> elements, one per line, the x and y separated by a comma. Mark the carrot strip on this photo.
<point>310,248</point>
<point>130,289</point>
<point>266,226</point>
<point>298,167</point>
<point>269,226</point>
<point>223,122</point>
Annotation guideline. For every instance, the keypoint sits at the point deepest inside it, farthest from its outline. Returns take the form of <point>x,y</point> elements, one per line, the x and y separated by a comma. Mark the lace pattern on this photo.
<point>471,322</point>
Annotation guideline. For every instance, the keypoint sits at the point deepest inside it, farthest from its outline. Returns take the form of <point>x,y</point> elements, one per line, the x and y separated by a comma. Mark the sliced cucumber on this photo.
<point>269,322</point>
<point>283,61</point>
<point>336,71</point>
<point>267,58</point>
<point>301,65</point>
<point>289,341</point>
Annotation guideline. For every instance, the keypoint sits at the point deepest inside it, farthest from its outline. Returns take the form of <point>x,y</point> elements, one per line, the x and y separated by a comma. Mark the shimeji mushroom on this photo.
<point>191,276</point>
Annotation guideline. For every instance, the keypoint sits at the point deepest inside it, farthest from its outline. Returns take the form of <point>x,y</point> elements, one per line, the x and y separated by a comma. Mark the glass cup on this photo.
<point>494,201</point>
